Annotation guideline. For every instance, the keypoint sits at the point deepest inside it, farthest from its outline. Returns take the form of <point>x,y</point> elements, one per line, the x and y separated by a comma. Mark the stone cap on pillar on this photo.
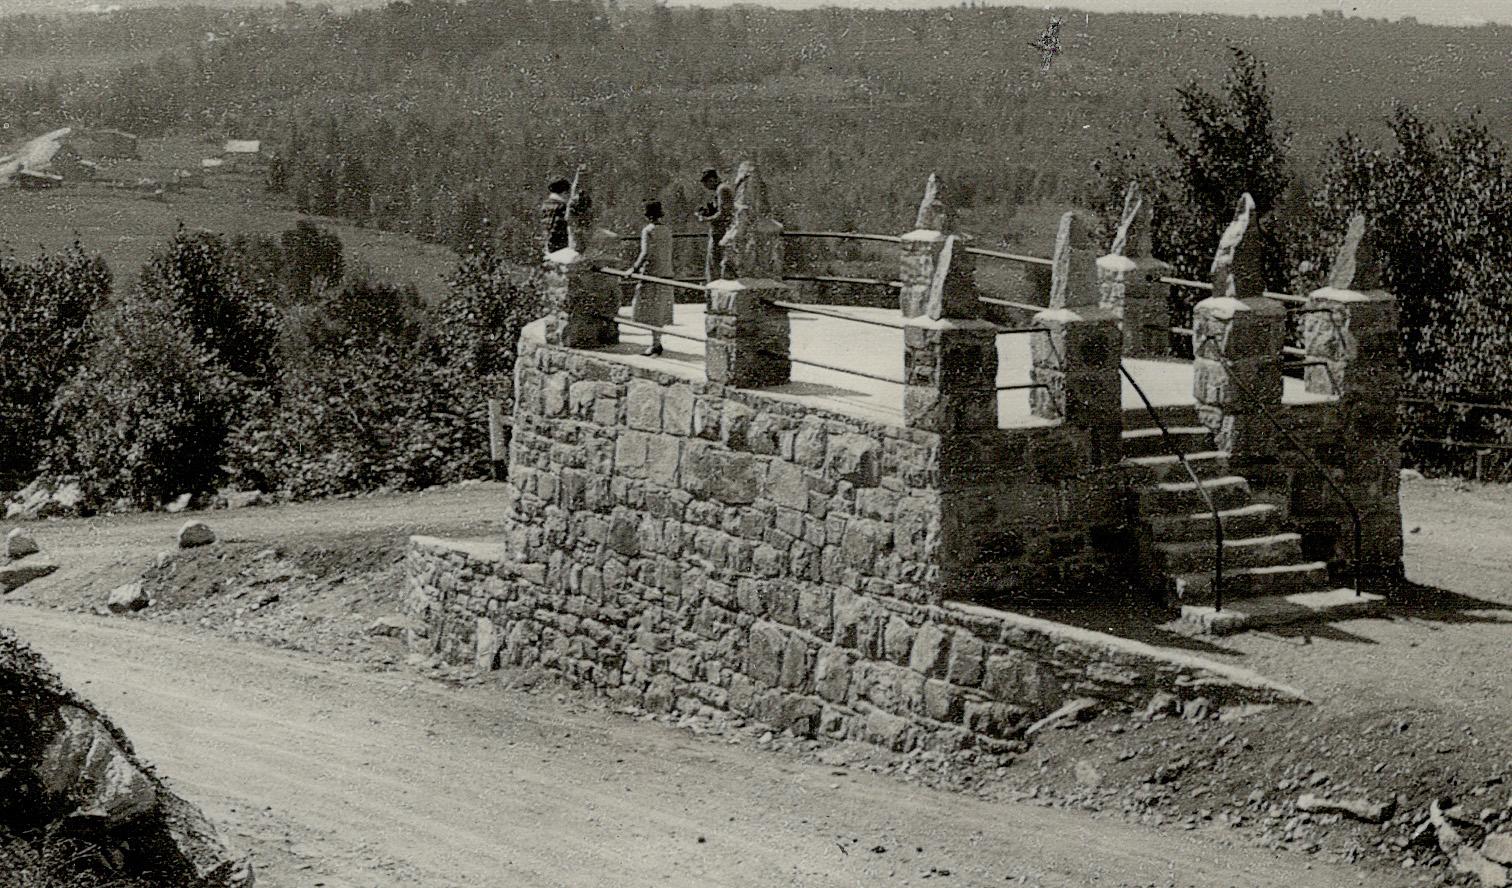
<point>1238,270</point>
<point>564,256</point>
<point>952,291</point>
<point>1226,307</point>
<point>1073,274</point>
<point>1356,274</point>
<point>753,244</point>
<point>933,213</point>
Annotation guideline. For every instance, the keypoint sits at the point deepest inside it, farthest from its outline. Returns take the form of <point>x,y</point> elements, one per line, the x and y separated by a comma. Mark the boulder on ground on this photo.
<point>19,543</point>
<point>195,533</point>
<point>179,504</point>
<point>15,574</point>
<point>127,598</point>
<point>241,499</point>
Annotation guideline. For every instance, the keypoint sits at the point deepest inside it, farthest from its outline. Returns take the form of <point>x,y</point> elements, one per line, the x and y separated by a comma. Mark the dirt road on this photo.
<point>339,777</point>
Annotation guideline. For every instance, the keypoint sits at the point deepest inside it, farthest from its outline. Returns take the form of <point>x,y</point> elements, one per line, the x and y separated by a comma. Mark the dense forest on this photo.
<point>443,119</point>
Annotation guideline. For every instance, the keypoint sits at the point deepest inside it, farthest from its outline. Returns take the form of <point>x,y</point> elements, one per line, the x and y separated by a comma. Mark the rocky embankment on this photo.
<point>78,808</point>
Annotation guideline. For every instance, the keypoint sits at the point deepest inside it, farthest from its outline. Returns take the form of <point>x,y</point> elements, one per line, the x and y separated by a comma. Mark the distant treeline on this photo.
<point>443,119</point>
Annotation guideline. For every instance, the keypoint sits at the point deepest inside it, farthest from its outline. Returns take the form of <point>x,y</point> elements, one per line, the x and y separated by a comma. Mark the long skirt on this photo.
<point>652,304</point>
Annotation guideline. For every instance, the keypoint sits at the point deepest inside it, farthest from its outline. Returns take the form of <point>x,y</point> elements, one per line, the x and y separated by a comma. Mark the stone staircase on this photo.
<point>1267,581</point>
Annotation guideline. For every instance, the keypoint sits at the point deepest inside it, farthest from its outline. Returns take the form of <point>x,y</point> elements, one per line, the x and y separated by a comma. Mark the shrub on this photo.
<point>45,310</point>
<point>146,416</point>
<point>200,280</point>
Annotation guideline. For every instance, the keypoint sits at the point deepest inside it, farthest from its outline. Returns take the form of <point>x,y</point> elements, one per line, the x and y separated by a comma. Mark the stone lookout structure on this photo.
<point>875,523</point>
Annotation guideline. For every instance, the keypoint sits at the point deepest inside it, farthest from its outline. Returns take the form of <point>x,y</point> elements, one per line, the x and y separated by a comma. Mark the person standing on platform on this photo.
<point>553,217</point>
<point>717,213</point>
<point>653,302</point>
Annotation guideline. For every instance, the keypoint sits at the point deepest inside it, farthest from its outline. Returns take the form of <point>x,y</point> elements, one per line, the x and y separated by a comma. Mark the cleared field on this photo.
<point>126,226</point>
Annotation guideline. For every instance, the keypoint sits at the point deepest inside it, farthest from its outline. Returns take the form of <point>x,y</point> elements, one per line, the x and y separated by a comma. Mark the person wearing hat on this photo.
<point>653,302</point>
<point>553,216</point>
<point>717,213</point>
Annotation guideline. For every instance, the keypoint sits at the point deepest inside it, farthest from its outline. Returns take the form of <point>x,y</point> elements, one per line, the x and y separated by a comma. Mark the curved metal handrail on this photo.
<point>1165,437</point>
<point>1354,513</point>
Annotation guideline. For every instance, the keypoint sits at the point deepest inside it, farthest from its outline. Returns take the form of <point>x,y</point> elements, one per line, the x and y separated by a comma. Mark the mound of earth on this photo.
<point>78,808</point>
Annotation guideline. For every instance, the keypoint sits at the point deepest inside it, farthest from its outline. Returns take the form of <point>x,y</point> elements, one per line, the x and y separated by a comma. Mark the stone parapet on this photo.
<point>749,338</point>
<point>950,375</point>
<point>580,302</point>
<point>1236,373</point>
<point>1076,364</point>
<point>1131,288</point>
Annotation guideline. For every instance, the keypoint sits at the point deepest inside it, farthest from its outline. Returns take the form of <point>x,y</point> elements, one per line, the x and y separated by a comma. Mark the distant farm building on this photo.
<point>242,154</point>
<point>104,143</point>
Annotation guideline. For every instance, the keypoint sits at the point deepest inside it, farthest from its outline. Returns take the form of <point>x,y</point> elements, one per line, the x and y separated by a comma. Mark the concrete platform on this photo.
<point>1280,610</point>
<point>878,350</point>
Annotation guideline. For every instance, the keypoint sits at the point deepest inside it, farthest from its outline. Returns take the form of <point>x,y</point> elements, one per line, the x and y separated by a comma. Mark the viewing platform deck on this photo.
<point>878,351</point>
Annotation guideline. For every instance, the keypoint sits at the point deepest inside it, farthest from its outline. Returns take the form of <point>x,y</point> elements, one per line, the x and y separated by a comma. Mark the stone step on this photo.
<point>1149,441</point>
<point>1279,610</point>
<point>1175,415</point>
<point>1258,551</point>
<point>1150,469</point>
<point>1255,519</point>
<point>1250,582</point>
<point>1182,497</point>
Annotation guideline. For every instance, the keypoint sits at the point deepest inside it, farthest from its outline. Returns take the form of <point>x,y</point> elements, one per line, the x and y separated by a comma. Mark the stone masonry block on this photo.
<point>931,646</point>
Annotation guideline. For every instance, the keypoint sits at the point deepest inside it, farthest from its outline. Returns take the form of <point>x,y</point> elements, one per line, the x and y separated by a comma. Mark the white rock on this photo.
<point>127,598</point>
<point>83,762</point>
<point>392,625</point>
<point>179,504</point>
<point>195,533</point>
<point>490,640</point>
<point>19,544</point>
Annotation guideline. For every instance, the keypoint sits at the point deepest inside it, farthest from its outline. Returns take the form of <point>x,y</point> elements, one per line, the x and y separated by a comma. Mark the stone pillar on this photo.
<point>749,338</point>
<point>1128,282</point>
<point>938,276</point>
<point>950,375</point>
<point>1237,339</point>
<point>1076,362</point>
<point>1352,326</point>
<point>1073,269</point>
<point>581,303</point>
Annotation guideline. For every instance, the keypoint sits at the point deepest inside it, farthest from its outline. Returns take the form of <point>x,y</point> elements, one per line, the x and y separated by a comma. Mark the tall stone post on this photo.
<point>1128,282</point>
<point>950,356</point>
<point>1073,266</point>
<point>749,338</point>
<point>920,260</point>
<point>1237,339</point>
<point>1076,362</point>
<point>1351,327</point>
<point>1076,359</point>
<point>581,303</point>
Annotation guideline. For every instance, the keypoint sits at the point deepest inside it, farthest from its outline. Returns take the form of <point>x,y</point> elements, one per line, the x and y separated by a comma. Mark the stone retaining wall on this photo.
<point>819,661</point>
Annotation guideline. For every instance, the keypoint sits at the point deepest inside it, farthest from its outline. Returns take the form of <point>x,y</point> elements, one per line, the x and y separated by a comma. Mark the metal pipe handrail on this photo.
<point>1009,303</point>
<point>1203,285</point>
<point>1450,442</point>
<point>1009,331</point>
<point>664,331</point>
<point>1354,513</point>
<point>1012,257</point>
<point>1020,387</point>
<point>842,279</point>
<point>1470,405</point>
<point>1165,437</point>
<point>805,309</point>
<point>651,279</point>
<point>845,235</point>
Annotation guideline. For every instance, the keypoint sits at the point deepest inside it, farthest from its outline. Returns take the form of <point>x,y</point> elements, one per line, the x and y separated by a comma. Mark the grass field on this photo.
<point>126,226</point>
